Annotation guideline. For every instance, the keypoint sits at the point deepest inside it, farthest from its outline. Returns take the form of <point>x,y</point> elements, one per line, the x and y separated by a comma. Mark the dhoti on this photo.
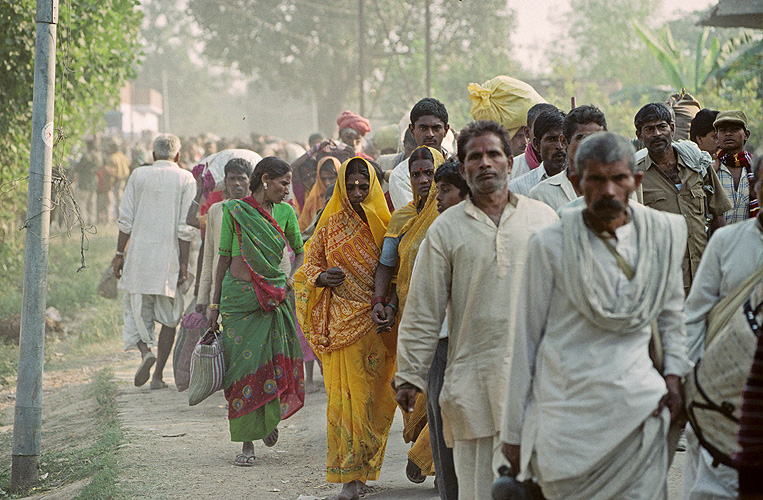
<point>635,469</point>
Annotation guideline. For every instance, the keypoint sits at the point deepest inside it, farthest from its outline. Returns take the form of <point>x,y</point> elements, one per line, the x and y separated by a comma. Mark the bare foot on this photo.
<point>350,491</point>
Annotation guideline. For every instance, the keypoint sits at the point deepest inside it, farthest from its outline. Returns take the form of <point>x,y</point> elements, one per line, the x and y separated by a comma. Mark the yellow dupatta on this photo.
<point>332,318</point>
<point>413,230</point>
<point>317,196</point>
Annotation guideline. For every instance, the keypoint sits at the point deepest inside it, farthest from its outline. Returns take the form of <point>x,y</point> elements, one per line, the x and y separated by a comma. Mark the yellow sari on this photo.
<point>413,225</point>
<point>358,363</point>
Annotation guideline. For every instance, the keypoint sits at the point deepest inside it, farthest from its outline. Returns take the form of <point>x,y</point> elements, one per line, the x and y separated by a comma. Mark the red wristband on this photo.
<point>377,300</point>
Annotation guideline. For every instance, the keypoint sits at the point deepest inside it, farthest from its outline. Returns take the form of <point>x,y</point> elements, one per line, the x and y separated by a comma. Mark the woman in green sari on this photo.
<point>264,377</point>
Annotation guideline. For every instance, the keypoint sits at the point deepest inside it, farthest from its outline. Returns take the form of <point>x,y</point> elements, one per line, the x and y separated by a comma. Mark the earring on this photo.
<point>265,185</point>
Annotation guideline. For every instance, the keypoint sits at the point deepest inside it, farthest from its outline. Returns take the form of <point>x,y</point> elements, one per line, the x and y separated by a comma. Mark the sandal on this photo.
<point>413,473</point>
<point>244,460</point>
<point>272,438</point>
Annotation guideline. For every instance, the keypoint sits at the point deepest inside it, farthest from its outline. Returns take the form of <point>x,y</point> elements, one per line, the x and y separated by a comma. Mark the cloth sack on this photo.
<point>685,107</point>
<point>191,327</point>
<point>107,288</point>
<point>503,99</point>
<point>207,368</point>
<point>713,392</point>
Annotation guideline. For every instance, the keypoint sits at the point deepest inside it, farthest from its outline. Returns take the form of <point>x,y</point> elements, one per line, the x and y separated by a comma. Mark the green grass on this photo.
<point>73,293</point>
<point>97,461</point>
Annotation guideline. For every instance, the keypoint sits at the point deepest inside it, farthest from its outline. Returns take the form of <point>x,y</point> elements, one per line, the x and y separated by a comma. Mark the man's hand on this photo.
<point>511,452</point>
<point>406,397</point>
<point>117,263</point>
<point>182,274</point>
<point>673,399</point>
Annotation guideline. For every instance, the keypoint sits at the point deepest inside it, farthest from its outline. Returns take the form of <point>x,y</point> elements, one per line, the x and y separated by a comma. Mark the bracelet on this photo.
<point>214,307</point>
<point>377,300</point>
<point>121,254</point>
<point>195,203</point>
<point>392,306</point>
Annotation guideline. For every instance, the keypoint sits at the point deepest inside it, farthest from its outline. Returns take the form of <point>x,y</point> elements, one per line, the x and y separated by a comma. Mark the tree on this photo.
<point>604,43</point>
<point>310,49</point>
<point>96,52</point>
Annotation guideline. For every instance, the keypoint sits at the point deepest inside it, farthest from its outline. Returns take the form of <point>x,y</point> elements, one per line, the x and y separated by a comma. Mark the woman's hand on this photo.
<point>212,321</point>
<point>332,277</point>
<point>379,317</point>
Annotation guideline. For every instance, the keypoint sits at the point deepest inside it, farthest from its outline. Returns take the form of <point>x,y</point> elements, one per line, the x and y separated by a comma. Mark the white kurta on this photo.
<point>153,211</point>
<point>211,253</point>
<point>556,191</point>
<point>400,190</point>
<point>520,167</point>
<point>731,256</point>
<point>577,391</point>
<point>524,183</point>
<point>476,266</point>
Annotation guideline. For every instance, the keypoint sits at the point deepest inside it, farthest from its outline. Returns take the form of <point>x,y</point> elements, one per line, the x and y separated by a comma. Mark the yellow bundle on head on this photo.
<point>503,99</point>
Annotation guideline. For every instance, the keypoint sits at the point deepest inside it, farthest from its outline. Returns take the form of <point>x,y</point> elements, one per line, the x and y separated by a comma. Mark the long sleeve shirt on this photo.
<point>732,255</point>
<point>477,266</point>
<point>152,211</point>
<point>577,391</point>
<point>211,254</point>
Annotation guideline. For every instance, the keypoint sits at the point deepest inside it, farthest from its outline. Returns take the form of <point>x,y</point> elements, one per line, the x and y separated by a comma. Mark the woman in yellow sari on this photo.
<point>326,175</point>
<point>407,229</point>
<point>334,289</point>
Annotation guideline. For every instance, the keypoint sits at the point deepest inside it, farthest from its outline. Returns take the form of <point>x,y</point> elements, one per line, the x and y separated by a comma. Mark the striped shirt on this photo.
<point>740,198</point>
<point>525,182</point>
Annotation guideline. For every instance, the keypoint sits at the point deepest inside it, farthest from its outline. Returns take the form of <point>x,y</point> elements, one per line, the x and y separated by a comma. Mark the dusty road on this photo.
<point>177,451</point>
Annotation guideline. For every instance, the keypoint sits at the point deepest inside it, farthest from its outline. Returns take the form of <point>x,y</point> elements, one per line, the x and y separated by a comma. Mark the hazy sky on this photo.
<point>534,24</point>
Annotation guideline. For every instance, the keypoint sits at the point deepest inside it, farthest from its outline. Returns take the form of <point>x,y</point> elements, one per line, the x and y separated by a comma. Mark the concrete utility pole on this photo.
<point>28,417</point>
<point>361,55</point>
<point>428,45</point>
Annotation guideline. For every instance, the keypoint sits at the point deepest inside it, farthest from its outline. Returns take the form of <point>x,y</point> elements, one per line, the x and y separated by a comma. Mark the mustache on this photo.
<point>607,204</point>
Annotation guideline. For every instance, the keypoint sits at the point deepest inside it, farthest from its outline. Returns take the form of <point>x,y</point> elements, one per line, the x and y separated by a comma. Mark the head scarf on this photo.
<point>403,217</point>
<point>375,205</point>
<point>414,230</point>
<point>354,121</point>
<point>317,197</point>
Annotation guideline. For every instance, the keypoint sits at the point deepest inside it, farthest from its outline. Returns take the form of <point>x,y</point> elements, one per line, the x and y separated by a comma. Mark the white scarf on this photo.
<point>661,248</point>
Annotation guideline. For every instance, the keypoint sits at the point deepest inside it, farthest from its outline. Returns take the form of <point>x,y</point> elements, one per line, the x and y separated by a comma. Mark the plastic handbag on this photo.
<point>207,368</point>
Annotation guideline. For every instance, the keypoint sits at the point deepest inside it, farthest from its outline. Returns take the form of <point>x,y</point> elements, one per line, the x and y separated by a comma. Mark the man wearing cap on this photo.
<point>678,178</point>
<point>352,128</point>
<point>735,165</point>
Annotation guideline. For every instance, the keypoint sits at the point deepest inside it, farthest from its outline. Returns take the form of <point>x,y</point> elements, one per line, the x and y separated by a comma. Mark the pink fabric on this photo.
<point>194,321</point>
<point>354,121</point>
<point>530,158</point>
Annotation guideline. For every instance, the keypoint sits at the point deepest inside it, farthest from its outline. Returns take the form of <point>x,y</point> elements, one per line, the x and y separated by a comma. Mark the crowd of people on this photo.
<point>530,291</point>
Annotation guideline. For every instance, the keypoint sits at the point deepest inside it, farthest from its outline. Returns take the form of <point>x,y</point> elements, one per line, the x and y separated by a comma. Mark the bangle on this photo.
<point>195,203</point>
<point>377,300</point>
<point>121,254</point>
<point>214,307</point>
<point>392,306</point>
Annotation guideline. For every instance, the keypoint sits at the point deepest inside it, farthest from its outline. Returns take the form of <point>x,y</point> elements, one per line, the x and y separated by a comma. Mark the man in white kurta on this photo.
<point>732,255</point>
<point>472,258</point>
<point>585,412</point>
<point>152,218</point>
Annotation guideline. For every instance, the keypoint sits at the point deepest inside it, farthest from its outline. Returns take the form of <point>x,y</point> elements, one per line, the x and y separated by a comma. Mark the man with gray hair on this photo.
<point>152,218</point>
<point>587,411</point>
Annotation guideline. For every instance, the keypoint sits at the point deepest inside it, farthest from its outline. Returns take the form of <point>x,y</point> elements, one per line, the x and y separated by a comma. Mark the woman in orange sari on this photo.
<point>406,230</point>
<point>326,175</point>
<point>334,290</point>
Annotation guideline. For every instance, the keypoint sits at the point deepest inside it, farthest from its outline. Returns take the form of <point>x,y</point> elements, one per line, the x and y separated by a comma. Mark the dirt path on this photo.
<point>178,451</point>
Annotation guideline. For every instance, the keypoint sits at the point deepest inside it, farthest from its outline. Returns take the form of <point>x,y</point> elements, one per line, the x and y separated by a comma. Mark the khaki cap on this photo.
<point>731,117</point>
